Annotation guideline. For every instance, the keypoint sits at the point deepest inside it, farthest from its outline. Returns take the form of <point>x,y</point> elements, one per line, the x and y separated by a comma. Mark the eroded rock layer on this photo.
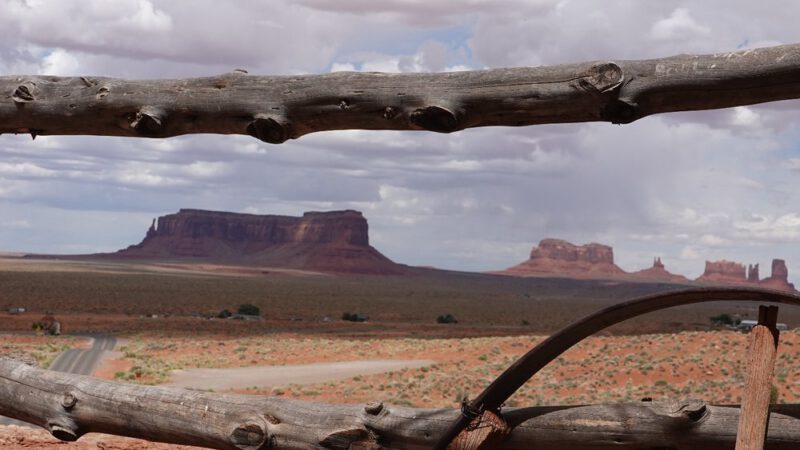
<point>556,257</point>
<point>336,241</point>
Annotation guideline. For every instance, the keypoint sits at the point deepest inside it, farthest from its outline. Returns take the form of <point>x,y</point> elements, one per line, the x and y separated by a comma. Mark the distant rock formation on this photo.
<point>752,273</point>
<point>724,272</point>
<point>729,272</point>
<point>555,257</point>
<point>779,279</point>
<point>335,241</point>
<point>659,273</point>
<point>559,258</point>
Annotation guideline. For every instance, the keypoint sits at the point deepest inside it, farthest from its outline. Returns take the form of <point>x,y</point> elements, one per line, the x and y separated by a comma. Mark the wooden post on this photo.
<point>754,415</point>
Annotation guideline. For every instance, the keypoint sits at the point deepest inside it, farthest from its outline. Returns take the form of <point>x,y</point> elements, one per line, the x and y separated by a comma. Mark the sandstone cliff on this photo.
<point>558,258</point>
<point>724,272</point>
<point>658,273</point>
<point>336,241</point>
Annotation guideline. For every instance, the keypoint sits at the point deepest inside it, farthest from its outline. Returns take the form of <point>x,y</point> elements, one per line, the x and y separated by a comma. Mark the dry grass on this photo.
<point>42,349</point>
<point>605,369</point>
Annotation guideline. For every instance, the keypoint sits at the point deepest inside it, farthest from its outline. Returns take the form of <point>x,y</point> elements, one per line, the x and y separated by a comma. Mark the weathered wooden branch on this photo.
<point>760,368</point>
<point>277,108</point>
<point>519,372</point>
<point>70,406</point>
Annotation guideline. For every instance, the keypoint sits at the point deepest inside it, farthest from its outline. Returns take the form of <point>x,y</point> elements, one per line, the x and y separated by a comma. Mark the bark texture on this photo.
<point>760,367</point>
<point>70,406</point>
<point>277,108</point>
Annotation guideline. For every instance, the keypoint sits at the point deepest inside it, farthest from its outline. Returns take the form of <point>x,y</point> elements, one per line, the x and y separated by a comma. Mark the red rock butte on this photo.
<point>659,273</point>
<point>724,272</point>
<point>555,257</point>
<point>334,241</point>
<point>730,272</point>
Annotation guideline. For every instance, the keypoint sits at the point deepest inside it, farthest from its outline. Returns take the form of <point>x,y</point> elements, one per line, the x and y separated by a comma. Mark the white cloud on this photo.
<point>24,169</point>
<point>60,62</point>
<point>208,169</point>
<point>689,186</point>
<point>679,25</point>
<point>746,117</point>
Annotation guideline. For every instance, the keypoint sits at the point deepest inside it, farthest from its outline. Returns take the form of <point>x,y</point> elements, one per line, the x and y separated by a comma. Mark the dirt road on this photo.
<point>268,376</point>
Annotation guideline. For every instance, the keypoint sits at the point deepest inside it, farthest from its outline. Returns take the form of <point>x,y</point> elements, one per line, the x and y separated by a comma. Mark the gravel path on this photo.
<point>268,376</point>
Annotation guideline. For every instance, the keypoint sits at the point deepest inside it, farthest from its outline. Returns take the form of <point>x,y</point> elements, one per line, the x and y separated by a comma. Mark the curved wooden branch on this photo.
<point>70,406</point>
<point>277,108</point>
<point>546,351</point>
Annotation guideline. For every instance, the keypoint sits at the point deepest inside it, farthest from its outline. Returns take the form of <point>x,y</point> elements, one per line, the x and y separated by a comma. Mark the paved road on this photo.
<point>77,361</point>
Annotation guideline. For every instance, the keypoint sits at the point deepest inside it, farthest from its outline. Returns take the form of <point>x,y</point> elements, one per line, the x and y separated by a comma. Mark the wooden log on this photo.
<point>760,367</point>
<point>70,406</point>
<point>277,108</point>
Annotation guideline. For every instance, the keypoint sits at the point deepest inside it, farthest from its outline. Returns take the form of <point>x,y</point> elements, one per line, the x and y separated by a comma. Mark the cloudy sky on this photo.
<point>685,186</point>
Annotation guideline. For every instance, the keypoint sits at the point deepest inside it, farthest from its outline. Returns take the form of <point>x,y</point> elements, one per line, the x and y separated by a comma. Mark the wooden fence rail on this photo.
<point>277,108</point>
<point>70,406</point>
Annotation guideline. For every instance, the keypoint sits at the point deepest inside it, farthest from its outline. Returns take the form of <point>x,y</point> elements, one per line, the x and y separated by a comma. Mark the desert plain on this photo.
<point>164,315</point>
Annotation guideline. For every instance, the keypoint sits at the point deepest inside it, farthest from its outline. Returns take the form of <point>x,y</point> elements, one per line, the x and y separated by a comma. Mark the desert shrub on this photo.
<point>722,319</point>
<point>224,314</point>
<point>354,317</point>
<point>248,309</point>
<point>446,318</point>
<point>773,394</point>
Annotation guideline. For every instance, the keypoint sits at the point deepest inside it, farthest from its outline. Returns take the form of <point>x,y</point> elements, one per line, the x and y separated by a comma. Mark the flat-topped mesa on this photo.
<point>658,273</point>
<point>335,241</point>
<point>779,280</point>
<point>724,272</point>
<point>332,227</point>
<point>556,257</point>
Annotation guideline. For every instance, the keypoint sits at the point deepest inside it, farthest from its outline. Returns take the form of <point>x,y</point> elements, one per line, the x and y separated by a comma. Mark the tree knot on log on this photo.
<point>435,118</point>
<point>482,433</point>
<point>685,412</point>
<point>148,121</point>
<point>619,112</point>
<point>251,434</point>
<point>390,113</point>
<point>25,92</point>
<point>603,77</point>
<point>373,408</point>
<point>69,400</point>
<point>102,92</point>
<point>63,429</point>
<point>267,129</point>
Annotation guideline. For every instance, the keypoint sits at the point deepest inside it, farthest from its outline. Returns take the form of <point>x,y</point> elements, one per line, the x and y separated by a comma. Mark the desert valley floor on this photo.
<point>163,315</point>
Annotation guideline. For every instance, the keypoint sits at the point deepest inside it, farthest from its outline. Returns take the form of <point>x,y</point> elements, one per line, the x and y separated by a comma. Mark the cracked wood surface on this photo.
<point>70,406</point>
<point>277,108</point>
